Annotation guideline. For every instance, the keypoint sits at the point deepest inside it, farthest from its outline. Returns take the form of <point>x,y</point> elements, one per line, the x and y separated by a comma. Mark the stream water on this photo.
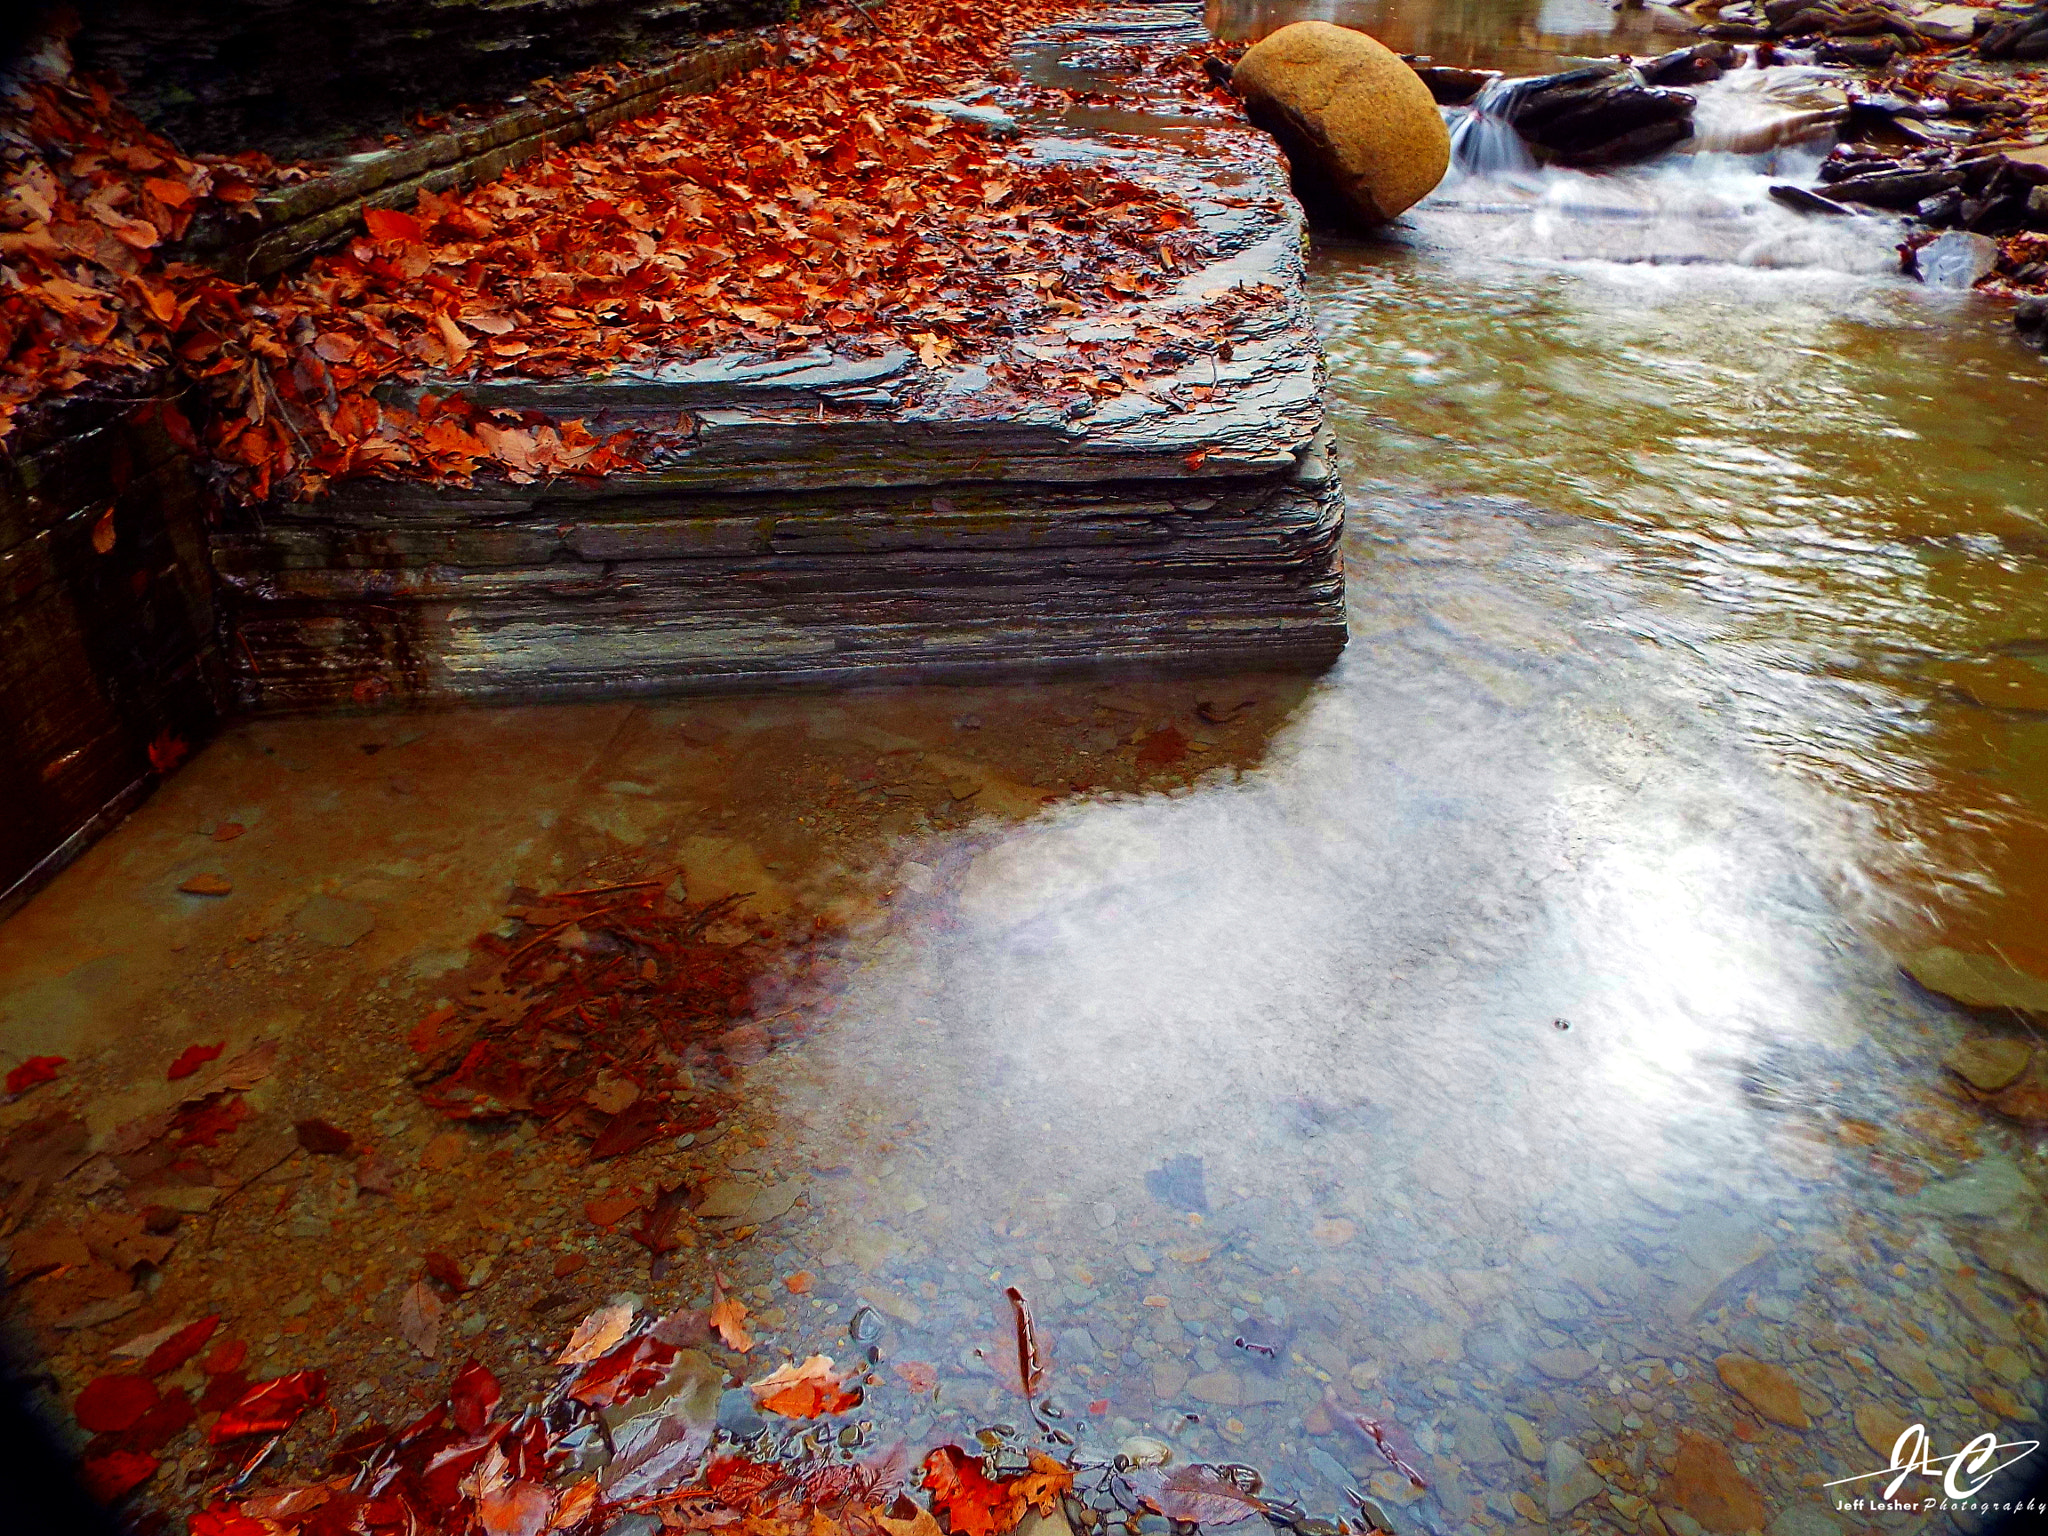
<point>1519,1055</point>
<point>1515,1054</point>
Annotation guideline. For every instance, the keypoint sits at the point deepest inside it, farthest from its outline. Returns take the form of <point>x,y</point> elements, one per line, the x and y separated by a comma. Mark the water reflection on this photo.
<point>1510,1054</point>
<point>1518,36</point>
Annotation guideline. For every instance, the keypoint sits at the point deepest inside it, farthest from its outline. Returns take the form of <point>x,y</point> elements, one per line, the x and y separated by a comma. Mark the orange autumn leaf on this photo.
<point>972,1503</point>
<point>799,1283</point>
<point>808,1390</point>
<point>729,1320</point>
<point>1044,1484</point>
<point>390,224</point>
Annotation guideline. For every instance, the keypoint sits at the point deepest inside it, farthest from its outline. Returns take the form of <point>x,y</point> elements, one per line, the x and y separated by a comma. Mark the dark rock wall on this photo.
<point>318,77</point>
<point>110,668</point>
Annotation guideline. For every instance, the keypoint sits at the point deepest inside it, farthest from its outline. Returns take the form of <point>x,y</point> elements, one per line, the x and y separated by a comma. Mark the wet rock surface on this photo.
<point>1598,115</point>
<point>812,519</point>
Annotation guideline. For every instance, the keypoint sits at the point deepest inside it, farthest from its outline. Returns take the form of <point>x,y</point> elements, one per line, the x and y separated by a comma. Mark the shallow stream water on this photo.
<point>1519,1055</point>
<point>1514,1053</point>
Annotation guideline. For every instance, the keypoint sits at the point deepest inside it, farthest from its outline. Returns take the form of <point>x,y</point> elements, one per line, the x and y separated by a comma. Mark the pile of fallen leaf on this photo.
<point>630,1427</point>
<point>616,1013</point>
<point>151,1178</point>
<point>89,198</point>
<point>811,202</point>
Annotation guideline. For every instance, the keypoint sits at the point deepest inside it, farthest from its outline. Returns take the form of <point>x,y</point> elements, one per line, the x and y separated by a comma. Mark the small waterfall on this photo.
<point>1484,142</point>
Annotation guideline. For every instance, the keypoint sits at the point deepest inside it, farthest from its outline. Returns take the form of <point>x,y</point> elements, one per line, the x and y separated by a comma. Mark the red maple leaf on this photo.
<point>37,1069</point>
<point>192,1058</point>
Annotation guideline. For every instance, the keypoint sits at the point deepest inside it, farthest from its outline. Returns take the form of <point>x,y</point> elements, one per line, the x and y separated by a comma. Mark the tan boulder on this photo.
<point>1361,130</point>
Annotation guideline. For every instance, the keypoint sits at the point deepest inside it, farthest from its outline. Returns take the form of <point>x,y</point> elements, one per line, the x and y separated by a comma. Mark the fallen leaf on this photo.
<point>103,533</point>
<point>112,1477</point>
<point>1195,1494</point>
<point>918,1523</point>
<point>799,1283</point>
<point>110,1404</point>
<point>472,1395</point>
<point>419,1318</point>
<point>224,1358</point>
<point>390,224</point>
<point>36,1070</point>
<point>271,1407</point>
<point>1161,749</point>
<point>597,1333</point>
<point>444,1269</point>
<point>192,1059</point>
<point>228,831</point>
<point>729,1320</point>
<point>208,884</point>
<point>807,1391</point>
<point>180,1346</point>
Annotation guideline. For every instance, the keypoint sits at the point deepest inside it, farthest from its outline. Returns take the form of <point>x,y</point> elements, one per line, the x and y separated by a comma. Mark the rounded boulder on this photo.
<point>1361,130</point>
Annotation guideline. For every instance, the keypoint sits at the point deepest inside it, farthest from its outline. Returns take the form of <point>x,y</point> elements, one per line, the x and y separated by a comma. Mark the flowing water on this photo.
<point>1519,1055</point>
<point>1516,1054</point>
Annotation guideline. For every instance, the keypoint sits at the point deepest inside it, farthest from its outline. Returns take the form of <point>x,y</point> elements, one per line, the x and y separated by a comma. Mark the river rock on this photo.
<point>1947,23</point>
<point>1360,128</point>
<point>1221,1388</point>
<point>1528,1444</point>
<point>1706,1485</point>
<point>745,1203</point>
<point>1767,1388</point>
<point>1976,981</point>
<point>1958,259</point>
<point>1879,1427</point>
<point>1595,116</point>
<point>1477,1443</point>
<point>1567,1481</point>
<point>1988,1062</point>
<point>2023,1255</point>
<point>329,920</point>
<point>1562,1364</point>
<point>2019,37</point>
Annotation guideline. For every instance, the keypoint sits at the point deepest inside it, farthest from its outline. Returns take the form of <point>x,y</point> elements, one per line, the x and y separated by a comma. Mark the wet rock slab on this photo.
<point>826,519</point>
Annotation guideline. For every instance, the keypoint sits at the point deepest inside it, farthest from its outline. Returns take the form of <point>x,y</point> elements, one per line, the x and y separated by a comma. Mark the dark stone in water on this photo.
<point>1687,66</point>
<point>1900,189</point>
<point>1454,87</point>
<point>1178,1182</point>
<point>1597,116</point>
<point>1799,200</point>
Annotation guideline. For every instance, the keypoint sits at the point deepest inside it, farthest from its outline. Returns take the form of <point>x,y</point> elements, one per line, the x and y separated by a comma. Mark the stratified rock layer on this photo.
<point>817,519</point>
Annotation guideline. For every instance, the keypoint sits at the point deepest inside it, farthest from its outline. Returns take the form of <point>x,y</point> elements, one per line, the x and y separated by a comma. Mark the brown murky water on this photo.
<point>1503,1041</point>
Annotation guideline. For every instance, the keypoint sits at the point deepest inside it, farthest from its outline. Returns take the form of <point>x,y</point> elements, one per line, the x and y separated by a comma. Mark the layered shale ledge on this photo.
<point>814,519</point>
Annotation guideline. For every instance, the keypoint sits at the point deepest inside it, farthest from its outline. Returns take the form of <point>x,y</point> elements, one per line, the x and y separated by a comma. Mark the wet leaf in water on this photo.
<point>1194,1494</point>
<point>114,1476</point>
<point>807,1391</point>
<point>419,1318</point>
<point>597,1333</point>
<point>271,1407</point>
<point>180,1346</point>
<point>1162,749</point>
<point>192,1058</point>
<point>472,1395</point>
<point>37,1069</point>
<point>110,1404</point>
<point>729,1320</point>
<point>918,1522</point>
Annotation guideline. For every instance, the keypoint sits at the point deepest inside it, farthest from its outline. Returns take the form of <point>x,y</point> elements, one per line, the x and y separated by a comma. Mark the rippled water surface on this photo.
<point>1516,1054</point>
<point>1519,1056</point>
